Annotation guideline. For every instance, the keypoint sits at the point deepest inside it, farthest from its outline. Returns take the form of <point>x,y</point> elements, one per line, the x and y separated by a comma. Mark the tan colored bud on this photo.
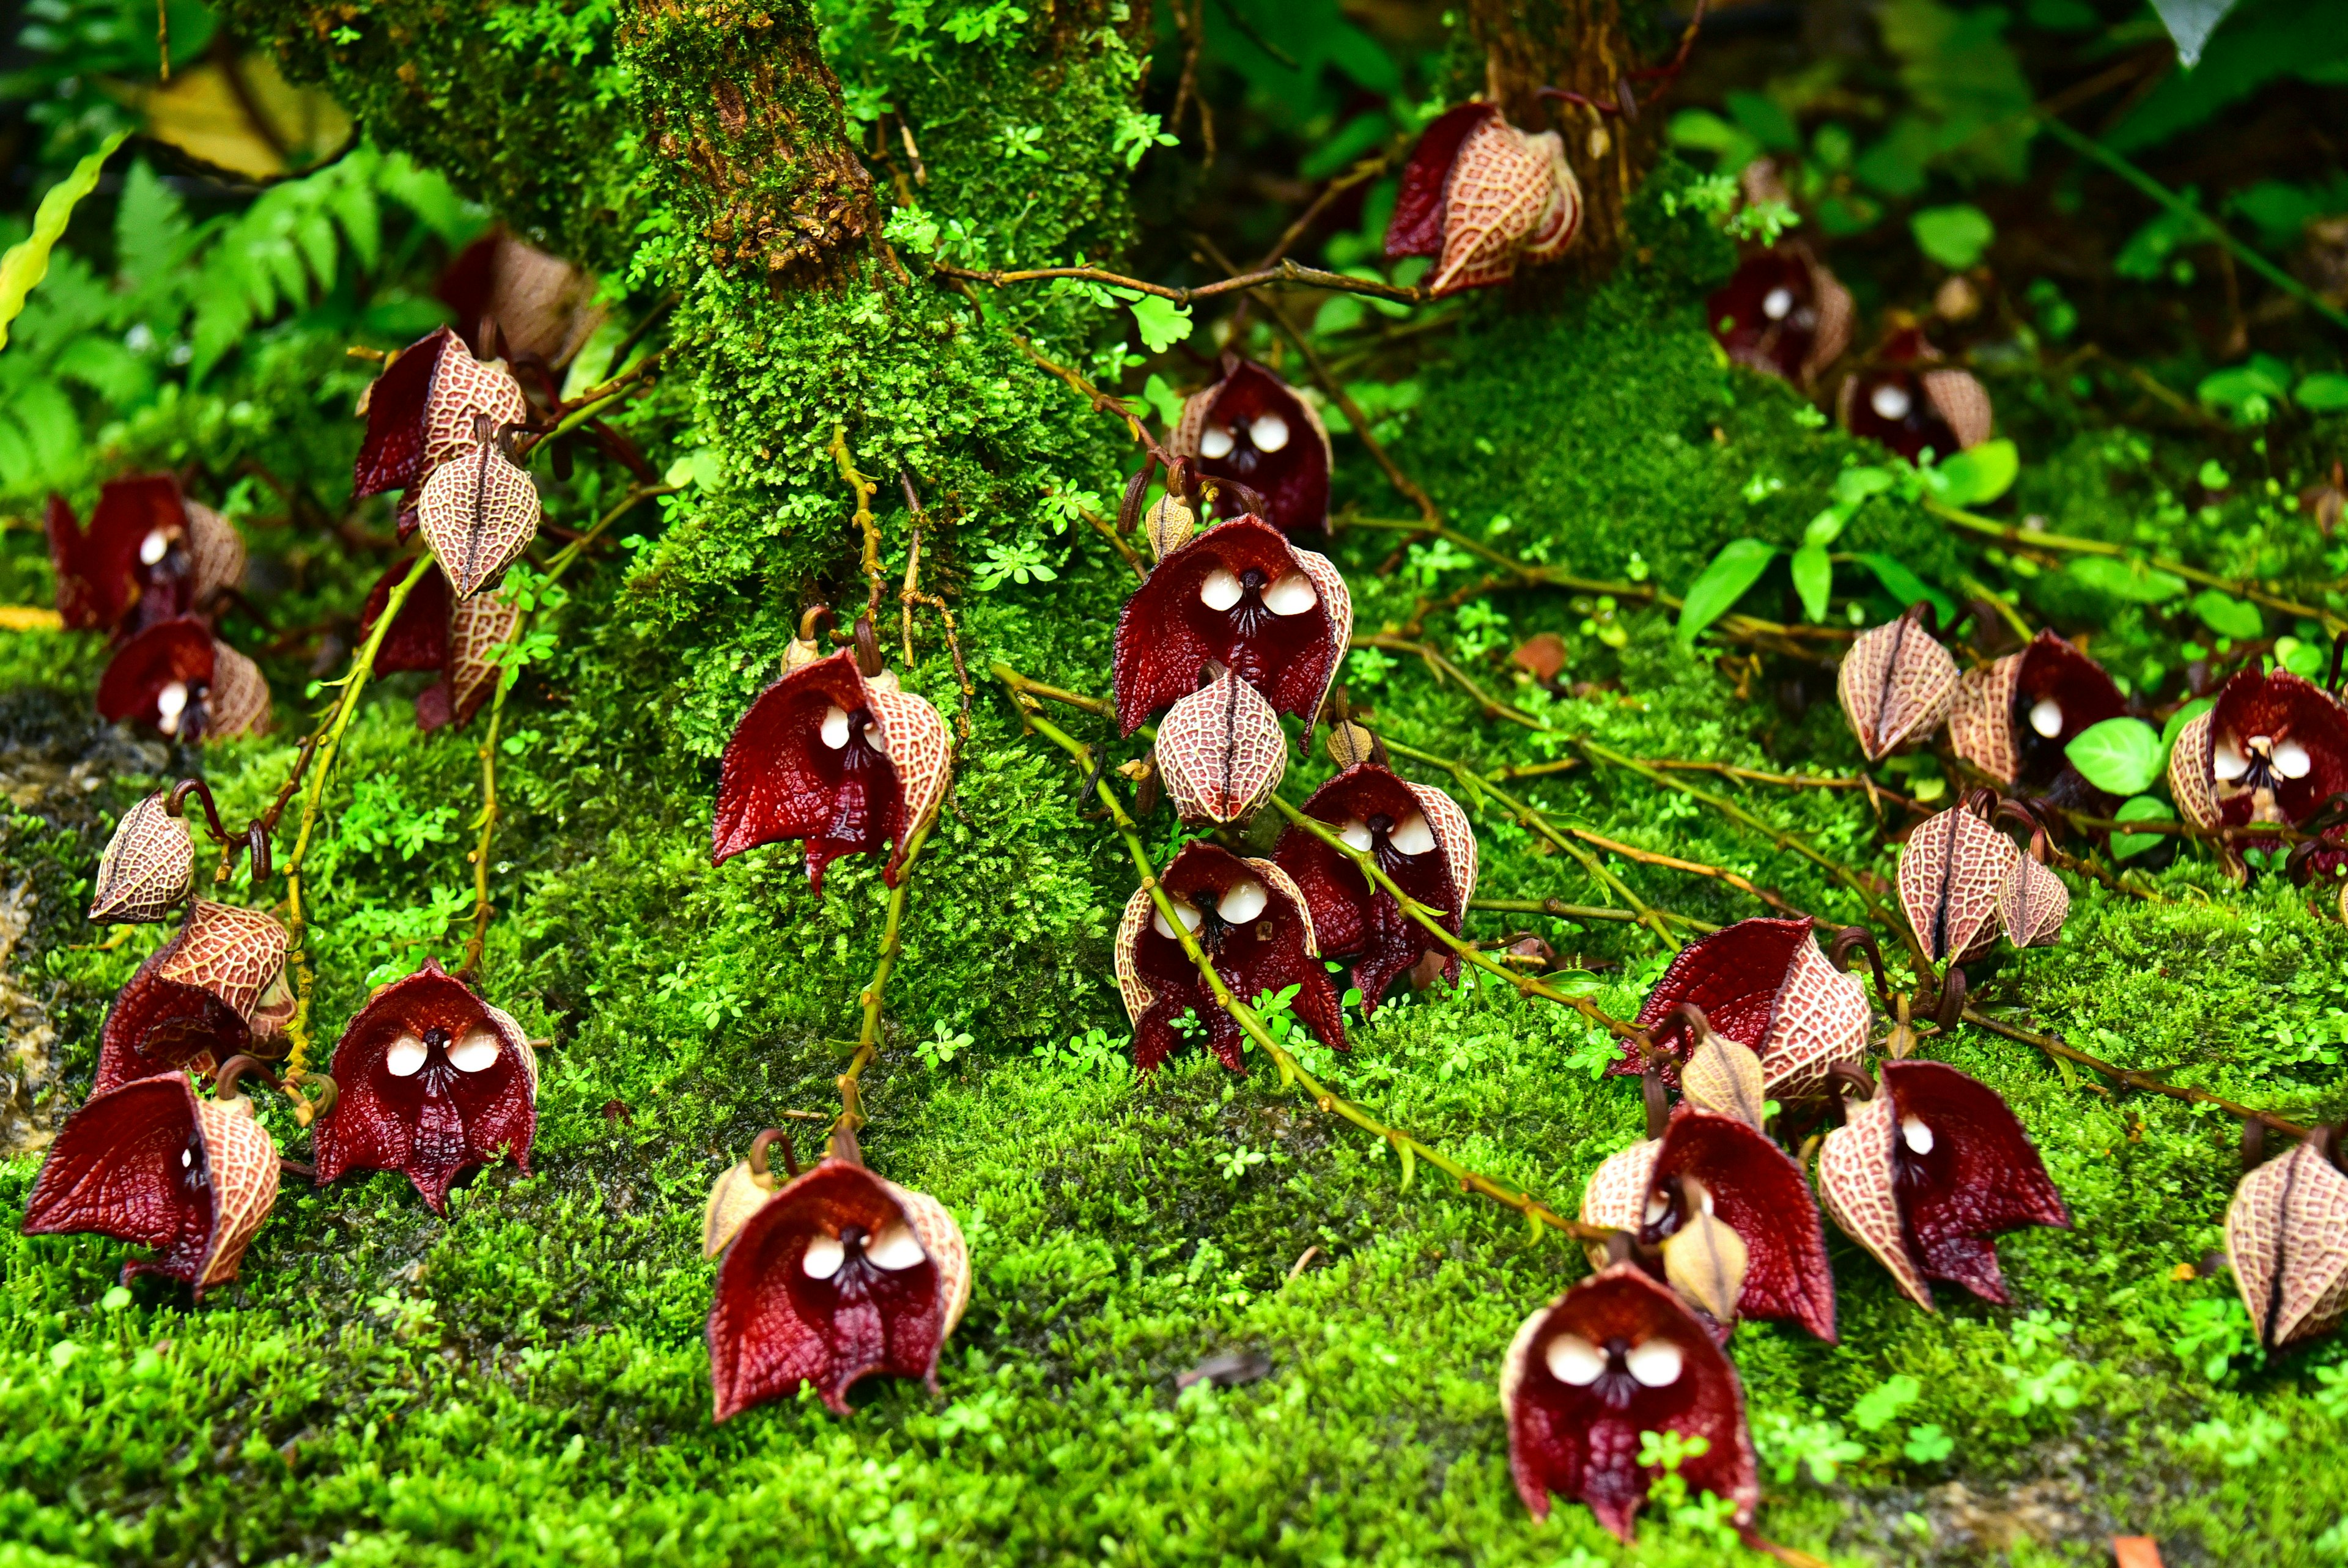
<point>479,512</point>
<point>1896,684</point>
<point>237,702</point>
<point>1952,870</point>
<point>1704,1259</point>
<point>2287,1238</point>
<point>1350,743</point>
<point>740,1193</point>
<point>149,867</point>
<point>1724,1077</point>
<point>2032,904</point>
<point>1167,525</point>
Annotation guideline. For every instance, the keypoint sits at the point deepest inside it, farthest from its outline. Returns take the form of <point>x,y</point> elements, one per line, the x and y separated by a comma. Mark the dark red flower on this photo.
<point>2012,720</point>
<point>421,411</point>
<point>155,1164</point>
<point>2287,1238</point>
<point>1927,1170</point>
<point>196,1001</point>
<point>1252,428</point>
<point>1766,985</point>
<point>847,763</point>
<point>2275,748</point>
<point>1901,402</point>
<point>1616,1355</point>
<point>838,1275</point>
<point>432,1079</point>
<point>180,680</point>
<point>1481,195</point>
<point>1419,838</point>
<point>1783,314</point>
<point>1256,930</point>
<point>150,554</point>
<point>435,631</point>
<point>1722,1167</point>
<point>1242,597</point>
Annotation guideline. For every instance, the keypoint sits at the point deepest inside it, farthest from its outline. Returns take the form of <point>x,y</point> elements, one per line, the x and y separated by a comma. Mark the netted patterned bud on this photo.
<point>478,513</point>
<point>426,408</point>
<point>2287,1238</point>
<point>1926,1171</point>
<point>149,867</point>
<point>478,627</point>
<point>1252,427</point>
<point>1896,684</point>
<point>1167,525</point>
<point>2032,904</point>
<point>1480,196</point>
<point>1221,752</point>
<point>2013,719</point>
<point>1351,745</point>
<point>155,1164</point>
<point>1952,870</point>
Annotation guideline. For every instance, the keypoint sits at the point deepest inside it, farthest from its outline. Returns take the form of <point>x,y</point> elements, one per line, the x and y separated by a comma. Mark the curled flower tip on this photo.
<point>149,867</point>
<point>838,1276</point>
<point>804,650</point>
<point>2287,1238</point>
<point>1766,984</point>
<point>1852,940</point>
<point>155,1164</point>
<point>742,1190</point>
<point>1253,438</point>
<point>1927,1170</point>
<point>1896,684</point>
<point>434,1080</point>
<point>1252,923</point>
<point>1588,1376</point>
<point>226,1083</point>
<point>2015,719</point>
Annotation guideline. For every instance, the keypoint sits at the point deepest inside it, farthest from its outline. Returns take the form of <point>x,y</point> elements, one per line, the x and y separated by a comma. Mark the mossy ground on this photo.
<point>524,1381</point>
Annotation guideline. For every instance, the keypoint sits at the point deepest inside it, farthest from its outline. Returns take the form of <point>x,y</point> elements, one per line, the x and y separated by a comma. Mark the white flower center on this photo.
<point>1292,595</point>
<point>186,1158</point>
<point>1915,1134</point>
<point>1778,303</point>
<point>1244,903</point>
<point>2291,761</point>
<point>876,739</point>
<point>1575,1360</point>
<point>1889,400</point>
<point>1658,1206</point>
<point>835,728</point>
<point>475,1051</point>
<point>895,1247</point>
<point>1411,835</point>
<point>1183,912</point>
<point>1220,590</point>
<point>1269,433</point>
<point>2046,717</point>
<point>1656,1363</point>
<point>823,1258</point>
<point>406,1057</point>
<point>1214,442</point>
<point>170,703</point>
<point>154,547</point>
<point>2228,762</point>
<point>1356,833</point>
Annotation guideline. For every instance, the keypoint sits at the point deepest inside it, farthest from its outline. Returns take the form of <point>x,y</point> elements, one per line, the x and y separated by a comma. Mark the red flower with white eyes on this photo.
<point>835,754</point>
<point>437,632</point>
<point>1241,596</point>
<point>1766,985</point>
<point>1907,406</point>
<point>433,1079</point>
<point>1927,1170</point>
<point>838,1276</point>
<point>1783,314</point>
<point>1614,1357</point>
<point>1481,196</point>
<point>149,555</point>
<point>179,680</point>
<point>1257,932</point>
<point>1252,428</point>
<point>2012,720</point>
<point>2273,748</point>
<point>1418,836</point>
<point>155,1164</point>
<point>203,996</point>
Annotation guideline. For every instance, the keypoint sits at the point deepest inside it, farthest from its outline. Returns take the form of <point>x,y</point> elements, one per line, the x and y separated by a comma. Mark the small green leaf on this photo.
<point>2143,808</point>
<point>1738,567</point>
<point>1813,580</point>
<point>1853,486</point>
<point>1979,474</point>
<point>2118,757</point>
<point>1826,526</point>
<point>2182,717</point>
<point>2228,616</point>
<point>2325,392</point>
<point>27,261</point>
<point>1163,323</point>
<point>1906,587</point>
<point>1953,236</point>
<point>2304,660</point>
<point>1928,1444</point>
<point>2131,581</point>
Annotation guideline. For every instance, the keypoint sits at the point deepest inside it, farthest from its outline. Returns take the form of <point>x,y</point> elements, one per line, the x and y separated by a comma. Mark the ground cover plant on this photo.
<point>1539,783</point>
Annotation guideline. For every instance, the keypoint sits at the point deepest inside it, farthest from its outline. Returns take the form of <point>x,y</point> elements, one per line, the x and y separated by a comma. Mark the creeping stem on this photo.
<point>354,684</point>
<point>1292,1072</point>
<point>868,1039</point>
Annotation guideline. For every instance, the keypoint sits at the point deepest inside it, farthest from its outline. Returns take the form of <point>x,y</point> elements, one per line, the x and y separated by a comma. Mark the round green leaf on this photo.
<point>2118,757</point>
<point>2228,616</point>
<point>2143,808</point>
<point>1953,236</point>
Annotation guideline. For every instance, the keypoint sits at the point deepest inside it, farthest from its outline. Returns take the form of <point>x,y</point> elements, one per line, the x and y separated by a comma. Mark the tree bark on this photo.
<point>1581,46</point>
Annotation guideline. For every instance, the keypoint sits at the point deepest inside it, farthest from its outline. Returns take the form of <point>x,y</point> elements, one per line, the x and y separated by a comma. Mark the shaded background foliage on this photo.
<point>525,1380</point>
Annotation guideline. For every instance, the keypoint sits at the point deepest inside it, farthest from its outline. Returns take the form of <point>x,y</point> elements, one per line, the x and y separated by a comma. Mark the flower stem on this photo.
<point>1292,1072</point>
<point>868,1039</point>
<point>2056,1046</point>
<point>297,1029</point>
